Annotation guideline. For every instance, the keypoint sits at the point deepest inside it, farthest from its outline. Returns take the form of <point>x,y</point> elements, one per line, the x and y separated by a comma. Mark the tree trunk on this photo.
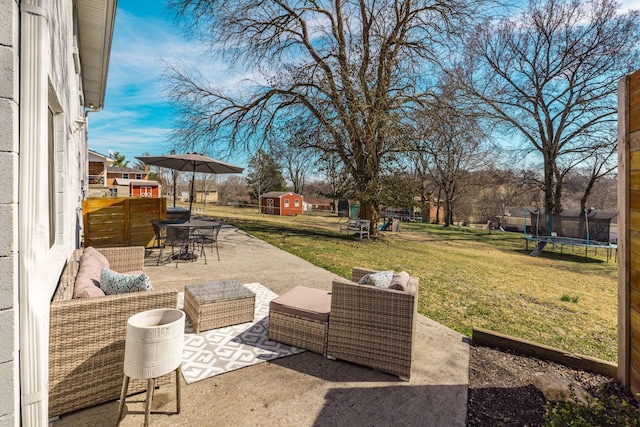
<point>438,206</point>
<point>549,200</point>
<point>583,206</point>
<point>448,214</point>
<point>557,212</point>
<point>370,210</point>
<point>548,186</point>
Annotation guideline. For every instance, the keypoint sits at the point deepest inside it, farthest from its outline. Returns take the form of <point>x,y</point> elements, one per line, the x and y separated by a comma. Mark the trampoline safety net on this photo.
<point>572,224</point>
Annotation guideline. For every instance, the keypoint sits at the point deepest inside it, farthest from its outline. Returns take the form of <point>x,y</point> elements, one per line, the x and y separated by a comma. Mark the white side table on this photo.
<point>153,348</point>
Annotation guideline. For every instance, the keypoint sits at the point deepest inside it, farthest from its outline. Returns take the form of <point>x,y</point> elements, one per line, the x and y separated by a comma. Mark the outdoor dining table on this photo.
<point>192,231</point>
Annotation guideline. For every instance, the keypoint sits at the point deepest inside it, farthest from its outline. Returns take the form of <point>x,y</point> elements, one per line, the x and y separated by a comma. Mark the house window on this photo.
<point>296,203</point>
<point>125,176</point>
<point>53,211</point>
<point>286,203</point>
<point>138,176</point>
<point>53,191</point>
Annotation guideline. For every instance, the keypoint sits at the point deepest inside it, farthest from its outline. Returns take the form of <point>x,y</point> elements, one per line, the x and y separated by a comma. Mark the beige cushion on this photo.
<point>399,281</point>
<point>87,291</point>
<point>304,302</point>
<point>87,283</point>
<point>90,251</point>
<point>412,286</point>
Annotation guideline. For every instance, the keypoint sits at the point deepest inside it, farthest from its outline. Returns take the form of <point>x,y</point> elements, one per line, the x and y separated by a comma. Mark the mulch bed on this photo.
<point>501,392</point>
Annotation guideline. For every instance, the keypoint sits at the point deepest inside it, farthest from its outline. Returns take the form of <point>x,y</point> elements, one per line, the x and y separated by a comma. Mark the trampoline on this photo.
<point>588,229</point>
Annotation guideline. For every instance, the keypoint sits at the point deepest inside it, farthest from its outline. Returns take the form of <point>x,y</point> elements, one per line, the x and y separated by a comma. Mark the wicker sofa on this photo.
<point>372,326</point>
<point>87,335</point>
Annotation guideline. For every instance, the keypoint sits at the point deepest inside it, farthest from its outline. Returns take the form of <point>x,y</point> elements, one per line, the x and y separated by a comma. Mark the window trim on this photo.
<point>57,254</point>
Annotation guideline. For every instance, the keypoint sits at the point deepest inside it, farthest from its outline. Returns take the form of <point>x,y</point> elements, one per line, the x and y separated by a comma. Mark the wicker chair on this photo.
<point>87,336</point>
<point>372,326</point>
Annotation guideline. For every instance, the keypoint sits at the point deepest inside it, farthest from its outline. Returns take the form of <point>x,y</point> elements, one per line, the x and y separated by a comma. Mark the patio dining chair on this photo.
<point>209,236</point>
<point>159,233</point>
<point>176,237</point>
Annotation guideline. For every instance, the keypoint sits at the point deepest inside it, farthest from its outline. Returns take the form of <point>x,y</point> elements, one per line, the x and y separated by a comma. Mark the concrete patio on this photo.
<point>305,389</point>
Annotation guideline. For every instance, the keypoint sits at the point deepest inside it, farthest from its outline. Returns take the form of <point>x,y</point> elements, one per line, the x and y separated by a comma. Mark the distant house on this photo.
<point>205,197</point>
<point>114,181</point>
<point>129,182</point>
<point>318,204</point>
<point>97,169</point>
<point>115,172</point>
<point>98,165</point>
<point>281,203</point>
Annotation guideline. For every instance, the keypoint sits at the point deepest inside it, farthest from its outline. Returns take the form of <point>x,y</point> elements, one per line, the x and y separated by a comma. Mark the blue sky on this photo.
<point>136,116</point>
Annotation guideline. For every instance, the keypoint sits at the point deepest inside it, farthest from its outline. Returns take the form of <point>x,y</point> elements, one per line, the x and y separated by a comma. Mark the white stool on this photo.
<point>153,348</point>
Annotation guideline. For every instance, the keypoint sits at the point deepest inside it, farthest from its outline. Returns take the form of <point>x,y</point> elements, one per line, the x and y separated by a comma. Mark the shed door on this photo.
<point>270,206</point>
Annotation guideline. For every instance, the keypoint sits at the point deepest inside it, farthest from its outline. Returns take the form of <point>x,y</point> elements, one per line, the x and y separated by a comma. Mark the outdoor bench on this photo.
<point>358,226</point>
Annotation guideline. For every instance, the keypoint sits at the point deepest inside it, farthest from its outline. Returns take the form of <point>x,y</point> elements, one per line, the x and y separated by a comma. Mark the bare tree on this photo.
<point>581,182</point>
<point>339,182</point>
<point>550,76</point>
<point>348,67</point>
<point>289,147</point>
<point>399,190</point>
<point>603,195</point>
<point>449,144</point>
<point>233,189</point>
<point>502,188</point>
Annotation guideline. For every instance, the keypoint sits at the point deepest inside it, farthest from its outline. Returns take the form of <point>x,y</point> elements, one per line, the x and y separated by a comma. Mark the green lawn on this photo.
<point>468,277</point>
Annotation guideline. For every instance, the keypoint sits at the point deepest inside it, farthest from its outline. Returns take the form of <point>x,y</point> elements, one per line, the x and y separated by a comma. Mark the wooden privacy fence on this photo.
<point>629,231</point>
<point>122,221</point>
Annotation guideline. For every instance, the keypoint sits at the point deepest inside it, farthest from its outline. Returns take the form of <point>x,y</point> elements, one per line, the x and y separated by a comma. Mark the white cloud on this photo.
<point>137,114</point>
<point>627,5</point>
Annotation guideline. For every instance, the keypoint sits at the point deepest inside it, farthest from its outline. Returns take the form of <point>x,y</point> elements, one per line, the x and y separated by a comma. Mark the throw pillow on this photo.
<point>92,252</point>
<point>381,279</point>
<point>400,281</point>
<point>87,284</point>
<point>116,283</point>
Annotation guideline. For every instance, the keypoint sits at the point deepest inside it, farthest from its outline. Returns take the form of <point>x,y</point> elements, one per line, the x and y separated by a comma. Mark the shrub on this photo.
<point>603,410</point>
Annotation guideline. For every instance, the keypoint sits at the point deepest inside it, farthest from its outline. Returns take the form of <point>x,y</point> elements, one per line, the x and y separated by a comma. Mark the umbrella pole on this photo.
<point>193,177</point>
<point>175,173</point>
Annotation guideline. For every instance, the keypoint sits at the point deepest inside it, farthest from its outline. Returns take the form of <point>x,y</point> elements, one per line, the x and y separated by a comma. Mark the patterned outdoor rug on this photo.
<point>217,351</point>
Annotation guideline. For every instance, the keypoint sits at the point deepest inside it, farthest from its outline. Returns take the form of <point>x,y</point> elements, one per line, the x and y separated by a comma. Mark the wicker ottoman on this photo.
<point>300,318</point>
<point>218,304</point>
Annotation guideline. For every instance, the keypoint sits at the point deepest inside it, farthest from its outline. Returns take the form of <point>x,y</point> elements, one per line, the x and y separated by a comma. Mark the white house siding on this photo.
<point>37,71</point>
<point>9,379</point>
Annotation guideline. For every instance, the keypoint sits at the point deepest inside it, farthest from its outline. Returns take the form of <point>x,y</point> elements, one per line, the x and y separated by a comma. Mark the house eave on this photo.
<point>96,19</point>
